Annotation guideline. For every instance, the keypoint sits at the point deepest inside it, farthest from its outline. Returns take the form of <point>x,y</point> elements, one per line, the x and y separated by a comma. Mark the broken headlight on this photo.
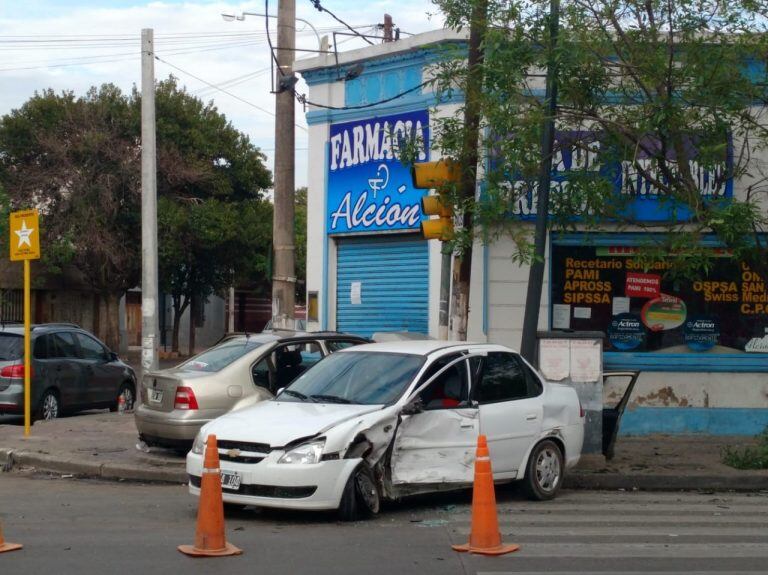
<point>306,453</point>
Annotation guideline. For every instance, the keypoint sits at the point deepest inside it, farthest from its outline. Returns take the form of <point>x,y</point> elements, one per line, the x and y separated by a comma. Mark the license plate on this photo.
<point>156,395</point>
<point>230,480</point>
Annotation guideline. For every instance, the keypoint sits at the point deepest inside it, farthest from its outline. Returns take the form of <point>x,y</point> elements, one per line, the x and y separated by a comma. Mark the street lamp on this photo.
<point>241,17</point>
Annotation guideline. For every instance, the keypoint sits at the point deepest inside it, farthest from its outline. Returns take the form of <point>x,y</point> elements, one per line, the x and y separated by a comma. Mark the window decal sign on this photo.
<point>664,313</point>
<point>701,333</point>
<point>369,188</point>
<point>642,200</point>
<point>626,332</point>
<point>643,285</point>
<point>725,312</point>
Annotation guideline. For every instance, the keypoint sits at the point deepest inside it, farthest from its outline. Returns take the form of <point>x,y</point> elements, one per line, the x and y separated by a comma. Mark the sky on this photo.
<point>76,44</point>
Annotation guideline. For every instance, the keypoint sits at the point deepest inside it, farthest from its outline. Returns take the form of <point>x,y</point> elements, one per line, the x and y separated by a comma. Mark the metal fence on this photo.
<point>11,305</point>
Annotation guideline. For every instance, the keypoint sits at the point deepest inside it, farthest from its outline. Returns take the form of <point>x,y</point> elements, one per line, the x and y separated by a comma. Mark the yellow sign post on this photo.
<point>25,245</point>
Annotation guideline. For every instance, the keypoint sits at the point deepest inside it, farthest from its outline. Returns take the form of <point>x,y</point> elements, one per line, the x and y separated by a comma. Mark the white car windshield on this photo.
<point>220,356</point>
<point>359,377</point>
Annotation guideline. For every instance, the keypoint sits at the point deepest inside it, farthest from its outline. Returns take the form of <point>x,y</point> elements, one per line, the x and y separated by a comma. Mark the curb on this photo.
<point>618,481</point>
<point>10,458</point>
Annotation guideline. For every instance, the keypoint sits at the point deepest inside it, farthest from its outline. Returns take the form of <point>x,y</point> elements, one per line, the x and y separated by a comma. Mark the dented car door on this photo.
<point>436,440</point>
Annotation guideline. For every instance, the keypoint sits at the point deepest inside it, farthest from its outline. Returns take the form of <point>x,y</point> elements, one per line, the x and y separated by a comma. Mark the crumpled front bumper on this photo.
<point>271,484</point>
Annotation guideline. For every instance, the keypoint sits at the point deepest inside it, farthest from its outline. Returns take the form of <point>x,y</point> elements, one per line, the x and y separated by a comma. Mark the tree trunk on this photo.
<point>192,328</point>
<point>179,305</point>
<point>112,323</point>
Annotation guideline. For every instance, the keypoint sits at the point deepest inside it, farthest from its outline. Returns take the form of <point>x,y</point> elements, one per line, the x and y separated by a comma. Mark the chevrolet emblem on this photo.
<point>233,453</point>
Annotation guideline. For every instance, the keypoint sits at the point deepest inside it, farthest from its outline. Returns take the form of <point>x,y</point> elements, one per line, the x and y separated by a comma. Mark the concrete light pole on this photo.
<point>283,271</point>
<point>149,288</point>
<point>283,268</point>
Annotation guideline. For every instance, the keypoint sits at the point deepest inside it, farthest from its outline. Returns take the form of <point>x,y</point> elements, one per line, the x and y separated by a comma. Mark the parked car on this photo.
<point>386,420</point>
<point>237,372</point>
<point>71,371</point>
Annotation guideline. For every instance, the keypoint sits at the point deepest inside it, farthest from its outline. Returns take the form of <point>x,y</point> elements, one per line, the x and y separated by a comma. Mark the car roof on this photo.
<point>18,328</point>
<point>413,347</point>
<point>284,336</point>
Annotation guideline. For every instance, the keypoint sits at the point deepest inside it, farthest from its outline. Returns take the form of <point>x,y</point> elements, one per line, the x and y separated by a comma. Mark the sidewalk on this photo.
<point>104,445</point>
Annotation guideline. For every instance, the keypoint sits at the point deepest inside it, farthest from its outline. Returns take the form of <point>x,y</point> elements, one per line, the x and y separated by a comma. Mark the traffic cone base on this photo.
<point>193,551</point>
<point>5,547</point>
<point>484,537</point>
<point>499,550</point>
<point>10,547</point>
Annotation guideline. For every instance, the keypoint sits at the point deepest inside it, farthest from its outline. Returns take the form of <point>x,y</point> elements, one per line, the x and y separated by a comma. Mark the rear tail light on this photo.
<point>185,399</point>
<point>15,371</point>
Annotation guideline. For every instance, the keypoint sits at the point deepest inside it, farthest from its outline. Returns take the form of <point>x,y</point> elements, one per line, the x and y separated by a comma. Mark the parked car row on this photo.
<point>71,370</point>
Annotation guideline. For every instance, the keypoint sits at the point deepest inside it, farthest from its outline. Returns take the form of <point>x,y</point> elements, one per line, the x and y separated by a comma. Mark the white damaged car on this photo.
<point>386,420</point>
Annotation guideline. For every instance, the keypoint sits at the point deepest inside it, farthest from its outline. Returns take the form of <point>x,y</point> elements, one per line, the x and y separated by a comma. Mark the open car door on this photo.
<point>436,439</point>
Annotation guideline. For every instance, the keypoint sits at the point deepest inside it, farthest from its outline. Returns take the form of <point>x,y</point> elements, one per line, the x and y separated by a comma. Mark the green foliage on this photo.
<point>78,160</point>
<point>300,236</point>
<point>665,84</point>
<point>748,457</point>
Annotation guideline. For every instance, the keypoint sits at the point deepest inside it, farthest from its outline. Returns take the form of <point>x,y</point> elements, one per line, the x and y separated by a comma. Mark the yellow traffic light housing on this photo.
<point>438,175</point>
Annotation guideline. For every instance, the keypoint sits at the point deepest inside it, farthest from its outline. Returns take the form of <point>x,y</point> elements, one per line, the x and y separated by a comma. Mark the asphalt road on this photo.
<point>88,527</point>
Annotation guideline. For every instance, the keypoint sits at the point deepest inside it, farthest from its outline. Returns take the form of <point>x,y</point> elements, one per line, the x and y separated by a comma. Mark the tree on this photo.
<point>650,92</point>
<point>77,161</point>
<point>202,242</point>
<point>214,226</point>
<point>300,241</point>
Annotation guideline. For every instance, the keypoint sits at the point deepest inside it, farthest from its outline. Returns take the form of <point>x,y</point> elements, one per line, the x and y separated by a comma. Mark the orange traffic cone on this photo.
<point>484,538</point>
<point>7,546</point>
<point>209,535</point>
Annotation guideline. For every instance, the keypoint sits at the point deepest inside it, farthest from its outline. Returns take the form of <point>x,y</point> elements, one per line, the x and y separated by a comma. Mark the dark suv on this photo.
<point>71,371</point>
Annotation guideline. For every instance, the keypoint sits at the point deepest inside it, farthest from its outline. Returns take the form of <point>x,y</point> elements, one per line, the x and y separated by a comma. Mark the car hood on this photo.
<point>278,423</point>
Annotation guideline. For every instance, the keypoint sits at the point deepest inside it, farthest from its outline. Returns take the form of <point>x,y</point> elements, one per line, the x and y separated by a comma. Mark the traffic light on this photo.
<point>436,175</point>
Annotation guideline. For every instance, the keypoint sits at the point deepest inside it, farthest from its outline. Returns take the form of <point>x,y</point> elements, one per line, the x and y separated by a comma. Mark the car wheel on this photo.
<point>128,396</point>
<point>361,495</point>
<point>50,407</point>
<point>544,473</point>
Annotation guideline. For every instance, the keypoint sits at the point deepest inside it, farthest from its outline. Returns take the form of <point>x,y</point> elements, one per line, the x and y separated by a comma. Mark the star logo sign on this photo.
<point>24,233</point>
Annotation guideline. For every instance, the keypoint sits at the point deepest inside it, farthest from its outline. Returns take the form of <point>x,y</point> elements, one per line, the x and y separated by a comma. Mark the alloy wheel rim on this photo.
<point>548,470</point>
<point>127,403</point>
<point>50,407</point>
<point>367,491</point>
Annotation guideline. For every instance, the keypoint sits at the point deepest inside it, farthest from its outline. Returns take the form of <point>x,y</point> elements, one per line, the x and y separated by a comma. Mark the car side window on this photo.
<point>261,373</point>
<point>90,348</point>
<point>40,349</point>
<point>291,360</point>
<point>450,389</point>
<point>62,345</point>
<point>535,388</point>
<point>502,378</point>
<point>338,344</point>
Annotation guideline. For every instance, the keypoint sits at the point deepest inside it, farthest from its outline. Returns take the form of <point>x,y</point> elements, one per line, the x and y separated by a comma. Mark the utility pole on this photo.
<point>283,271</point>
<point>462,263</point>
<point>536,274</point>
<point>149,299</point>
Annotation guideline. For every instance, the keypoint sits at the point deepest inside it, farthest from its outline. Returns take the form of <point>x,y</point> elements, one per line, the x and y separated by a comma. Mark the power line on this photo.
<point>214,86</point>
<point>320,8</point>
<point>303,99</point>
<point>233,81</point>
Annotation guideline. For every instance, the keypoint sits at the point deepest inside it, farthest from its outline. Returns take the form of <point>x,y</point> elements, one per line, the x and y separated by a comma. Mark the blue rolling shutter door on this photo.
<point>393,274</point>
